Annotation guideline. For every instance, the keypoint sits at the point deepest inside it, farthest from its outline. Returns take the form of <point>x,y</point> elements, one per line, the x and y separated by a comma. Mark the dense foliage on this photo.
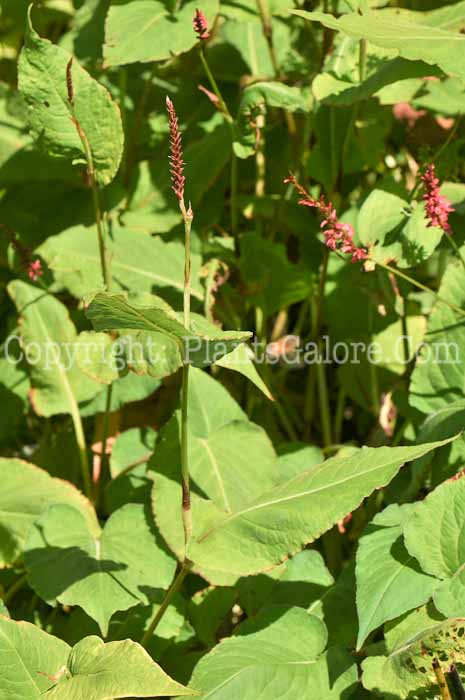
<point>232,371</point>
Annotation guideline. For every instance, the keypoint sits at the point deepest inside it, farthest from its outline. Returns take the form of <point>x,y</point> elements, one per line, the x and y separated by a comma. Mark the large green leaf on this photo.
<point>389,580</point>
<point>28,656</point>
<point>438,378</point>
<point>26,492</point>
<point>43,82</point>
<point>391,234</point>
<point>102,572</point>
<point>177,343</point>
<point>267,523</point>
<point>98,671</point>
<point>49,340</point>
<point>139,262</point>
<point>277,653</point>
<point>408,38</point>
<point>340,92</point>
<point>405,670</point>
<point>434,534</point>
<point>36,665</point>
<point>147,30</point>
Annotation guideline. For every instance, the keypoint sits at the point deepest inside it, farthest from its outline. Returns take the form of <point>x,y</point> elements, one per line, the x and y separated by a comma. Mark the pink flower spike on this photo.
<point>201,25</point>
<point>338,235</point>
<point>35,270</point>
<point>176,156</point>
<point>437,206</point>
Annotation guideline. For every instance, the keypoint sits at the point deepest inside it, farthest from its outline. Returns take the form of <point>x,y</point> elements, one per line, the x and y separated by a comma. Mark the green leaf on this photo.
<point>434,535</point>
<point>49,340</point>
<point>445,97</point>
<point>131,446</point>
<point>147,30</point>
<point>255,100</point>
<point>113,312</point>
<point>303,579</point>
<point>43,83</point>
<point>438,377</point>
<point>99,671</point>
<point>208,610</point>
<point>279,650</point>
<point>405,670</point>
<point>392,235</point>
<point>96,357</point>
<point>26,492</point>
<point>263,526</point>
<point>407,37</point>
<point>140,262</point>
<point>102,572</point>
<point>27,657</point>
<point>389,580</point>
<point>125,390</point>
<point>335,91</point>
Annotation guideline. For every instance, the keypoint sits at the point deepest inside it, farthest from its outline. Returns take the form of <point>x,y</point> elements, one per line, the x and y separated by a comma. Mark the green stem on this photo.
<point>234,207</point>
<point>81,443</point>
<point>374,384</point>
<point>175,586</point>
<point>234,165</point>
<point>455,248</point>
<point>323,399</point>
<point>96,201</point>
<point>221,103</point>
<point>339,417</point>
<point>185,478</point>
<point>316,318</point>
<point>14,588</point>
<point>421,286</point>
<point>103,454</point>
<point>362,59</point>
<point>264,12</point>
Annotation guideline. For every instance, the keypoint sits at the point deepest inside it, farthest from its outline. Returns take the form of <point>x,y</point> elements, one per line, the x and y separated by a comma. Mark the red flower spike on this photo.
<point>176,157</point>
<point>35,270</point>
<point>338,235</point>
<point>201,25</point>
<point>437,207</point>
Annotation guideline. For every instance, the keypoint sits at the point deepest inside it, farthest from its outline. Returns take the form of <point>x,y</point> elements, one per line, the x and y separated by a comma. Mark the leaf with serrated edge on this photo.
<point>434,534</point>
<point>114,312</point>
<point>389,580</point>
<point>42,74</point>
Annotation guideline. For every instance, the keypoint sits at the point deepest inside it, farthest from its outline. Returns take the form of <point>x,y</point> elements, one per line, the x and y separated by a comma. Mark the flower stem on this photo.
<point>362,59</point>
<point>185,478</point>
<point>221,103</point>
<point>421,286</point>
<point>455,248</point>
<point>175,586</point>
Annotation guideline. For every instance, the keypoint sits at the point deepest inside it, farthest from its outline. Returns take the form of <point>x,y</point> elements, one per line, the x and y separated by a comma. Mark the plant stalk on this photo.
<point>175,586</point>
<point>441,680</point>
<point>185,477</point>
